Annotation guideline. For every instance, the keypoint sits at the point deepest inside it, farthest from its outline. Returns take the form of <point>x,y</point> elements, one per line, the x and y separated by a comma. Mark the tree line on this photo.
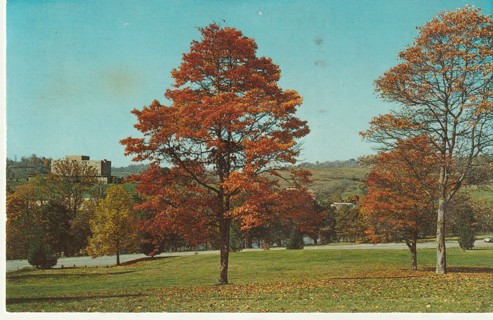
<point>71,214</point>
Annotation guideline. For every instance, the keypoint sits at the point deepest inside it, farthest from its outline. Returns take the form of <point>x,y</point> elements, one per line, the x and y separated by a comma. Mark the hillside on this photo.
<point>334,177</point>
<point>123,172</point>
<point>345,181</point>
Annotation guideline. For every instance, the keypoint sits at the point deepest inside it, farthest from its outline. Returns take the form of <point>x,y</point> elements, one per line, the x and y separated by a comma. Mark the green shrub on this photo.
<point>467,236</point>
<point>465,227</point>
<point>40,254</point>
<point>295,241</point>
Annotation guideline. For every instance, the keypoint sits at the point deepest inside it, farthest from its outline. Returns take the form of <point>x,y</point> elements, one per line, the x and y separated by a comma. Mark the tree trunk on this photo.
<point>414,256</point>
<point>412,245</point>
<point>118,258</point>
<point>224,226</point>
<point>441,263</point>
<point>248,242</point>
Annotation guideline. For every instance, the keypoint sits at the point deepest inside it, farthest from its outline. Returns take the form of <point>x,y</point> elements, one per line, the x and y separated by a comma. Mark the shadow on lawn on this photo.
<point>50,300</point>
<point>128,263</point>
<point>371,277</point>
<point>27,276</point>
<point>464,270</point>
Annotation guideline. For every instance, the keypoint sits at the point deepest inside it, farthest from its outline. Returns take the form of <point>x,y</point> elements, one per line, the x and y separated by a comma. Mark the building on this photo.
<point>102,167</point>
<point>339,205</point>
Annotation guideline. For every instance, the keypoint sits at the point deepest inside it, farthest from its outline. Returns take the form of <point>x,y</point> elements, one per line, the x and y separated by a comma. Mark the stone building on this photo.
<point>102,167</point>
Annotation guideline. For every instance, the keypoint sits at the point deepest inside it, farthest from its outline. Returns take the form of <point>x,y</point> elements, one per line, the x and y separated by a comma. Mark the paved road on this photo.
<point>111,260</point>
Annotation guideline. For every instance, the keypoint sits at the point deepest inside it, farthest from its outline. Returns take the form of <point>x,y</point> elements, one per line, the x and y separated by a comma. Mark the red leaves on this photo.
<point>402,189</point>
<point>228,123</point>
<point>174,205</point>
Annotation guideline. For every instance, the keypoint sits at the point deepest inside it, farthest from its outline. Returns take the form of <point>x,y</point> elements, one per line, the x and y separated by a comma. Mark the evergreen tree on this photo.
<point>295,241</point>
<point>40,253</point>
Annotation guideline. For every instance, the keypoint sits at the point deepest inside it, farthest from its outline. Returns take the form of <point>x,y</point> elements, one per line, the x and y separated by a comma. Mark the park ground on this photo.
<point>350,280</point>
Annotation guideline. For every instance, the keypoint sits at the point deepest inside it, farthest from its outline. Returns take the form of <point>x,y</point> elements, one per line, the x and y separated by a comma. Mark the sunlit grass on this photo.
<point>273,281</point>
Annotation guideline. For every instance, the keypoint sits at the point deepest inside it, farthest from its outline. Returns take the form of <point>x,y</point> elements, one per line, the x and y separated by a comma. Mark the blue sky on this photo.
<point>75,69</point>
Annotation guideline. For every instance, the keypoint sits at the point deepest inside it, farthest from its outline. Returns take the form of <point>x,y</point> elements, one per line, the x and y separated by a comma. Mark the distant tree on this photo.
<point>323,202</point>
<point>148,245</point>
<point>40,253</point>
<point>23,213</point>
<point>298,206</point>
<point>73,190</point>
<point>70,182</point>
<point>228,125</point>
<point>443,86</point>
<point>349,223</point>
<point>56,222</point>
<point>295,241</point>
<point>236,239</point>
<point>466,230</point>
<point>41,202</point>
<point>463,221</point>
<point>291,209</point>
<point>114,227</point>
<point>402,192</point>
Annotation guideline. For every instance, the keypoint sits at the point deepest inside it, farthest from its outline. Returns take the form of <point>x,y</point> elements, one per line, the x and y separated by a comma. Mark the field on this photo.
<point>342,180</point>
<point>484,195</point>
<point>265,281</point>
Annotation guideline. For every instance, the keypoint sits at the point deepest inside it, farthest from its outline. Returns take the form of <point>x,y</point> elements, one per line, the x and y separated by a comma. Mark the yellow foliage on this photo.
<point>114,225</point>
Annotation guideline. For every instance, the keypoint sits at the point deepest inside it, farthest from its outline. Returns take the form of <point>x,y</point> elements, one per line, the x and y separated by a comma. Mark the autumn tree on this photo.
<point>443,89</point>
<point>349,224</point>
<point>69,196</point>
<point>70,181</point>
<point>323,205</point>
<point>59,203</point>
<point>23,215</point>
<point>402,192</point>
<point>226,125</point>
<point>114,225</point>
<point>291,210</point>
<point>298,205</point>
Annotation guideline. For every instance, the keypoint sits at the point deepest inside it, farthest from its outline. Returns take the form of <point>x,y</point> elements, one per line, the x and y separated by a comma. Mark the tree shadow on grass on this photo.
<point>70,299</point>
<point>464,269</point>
<point>21,275</point>
<point>128,263</point>
<point>371,277</point>
<point>56,275</point>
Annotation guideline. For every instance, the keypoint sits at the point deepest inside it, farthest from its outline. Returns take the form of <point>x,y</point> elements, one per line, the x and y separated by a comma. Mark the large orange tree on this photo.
<point>227,125</point>
<point>443,87</point>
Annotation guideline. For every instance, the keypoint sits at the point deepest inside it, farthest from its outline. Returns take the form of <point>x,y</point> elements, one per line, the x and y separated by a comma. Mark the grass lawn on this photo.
<point>483,195</point>
<point>266,281</point>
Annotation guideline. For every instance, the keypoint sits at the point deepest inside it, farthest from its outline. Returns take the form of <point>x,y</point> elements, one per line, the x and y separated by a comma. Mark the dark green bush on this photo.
<point>295,241</point>
<point>465,227</point>
<point>40,254</point>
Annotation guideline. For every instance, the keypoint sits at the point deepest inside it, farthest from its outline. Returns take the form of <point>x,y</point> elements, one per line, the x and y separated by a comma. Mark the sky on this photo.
<point>75,69</point>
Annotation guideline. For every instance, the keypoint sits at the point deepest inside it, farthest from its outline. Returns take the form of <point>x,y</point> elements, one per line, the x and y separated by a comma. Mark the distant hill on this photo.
<point>338,180</point>
<point>344,177</point>
<point>123,172</point>
<point>27,166</point>
<point>351,163</point>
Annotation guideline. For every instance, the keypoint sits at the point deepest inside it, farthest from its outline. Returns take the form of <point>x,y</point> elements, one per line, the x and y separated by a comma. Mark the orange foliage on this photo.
<point>402,192</point>
<point>228,122</point>
<point>443,86</point>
